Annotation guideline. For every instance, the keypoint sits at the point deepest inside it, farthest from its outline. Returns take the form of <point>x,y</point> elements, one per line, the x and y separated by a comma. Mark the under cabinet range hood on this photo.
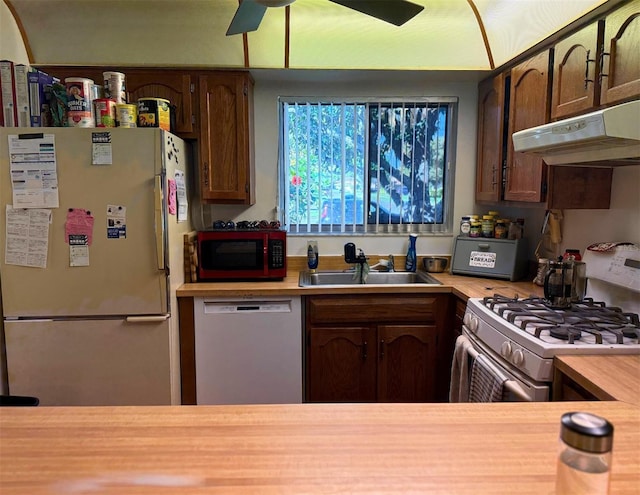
<point>607,137</point>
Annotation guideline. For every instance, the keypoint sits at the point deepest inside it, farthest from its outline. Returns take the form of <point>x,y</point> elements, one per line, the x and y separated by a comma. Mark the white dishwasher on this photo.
<point>248,351</point>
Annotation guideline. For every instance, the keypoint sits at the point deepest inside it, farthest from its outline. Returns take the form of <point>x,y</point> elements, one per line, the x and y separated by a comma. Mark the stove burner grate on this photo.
<point>533,316</point>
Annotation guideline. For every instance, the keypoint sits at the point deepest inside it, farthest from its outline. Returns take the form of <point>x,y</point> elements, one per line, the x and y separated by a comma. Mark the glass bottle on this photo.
<point>465,226</point>
<point>584,457</point>
<point>410,264</point>
<point>488,225</point>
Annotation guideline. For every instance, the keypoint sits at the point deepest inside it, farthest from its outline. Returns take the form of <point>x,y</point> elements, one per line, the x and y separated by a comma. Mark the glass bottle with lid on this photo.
<point>465,225</point>
<point>584,458</point>
<point>488,225</point>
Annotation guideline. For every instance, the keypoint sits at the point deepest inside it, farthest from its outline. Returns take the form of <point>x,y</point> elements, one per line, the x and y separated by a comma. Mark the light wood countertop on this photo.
<point>606,377</point>
<point>300,449</point>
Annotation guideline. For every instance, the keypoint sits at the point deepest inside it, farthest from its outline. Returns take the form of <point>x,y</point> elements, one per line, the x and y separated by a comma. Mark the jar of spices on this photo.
<point>488,225</point>
<point>500,230</point>
<point>476,229</point>
<point>584,457</point>
<point>465,226</point>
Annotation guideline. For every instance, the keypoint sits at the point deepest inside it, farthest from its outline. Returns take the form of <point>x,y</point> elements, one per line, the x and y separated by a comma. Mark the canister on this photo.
<point>114,86</point>
<point>584,456</point>
<point>79,103</point>
<point>154,112</point>
<point>126,115</point>
<point>105,110</point>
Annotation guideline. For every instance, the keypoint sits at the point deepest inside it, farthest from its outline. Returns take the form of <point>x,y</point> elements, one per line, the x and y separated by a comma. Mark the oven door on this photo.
<point>518,387</point>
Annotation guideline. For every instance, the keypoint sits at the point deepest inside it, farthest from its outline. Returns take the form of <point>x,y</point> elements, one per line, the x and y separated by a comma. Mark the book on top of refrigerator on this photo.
<point>40,84</point>
<point>7,87</point>
<point>21,86</point>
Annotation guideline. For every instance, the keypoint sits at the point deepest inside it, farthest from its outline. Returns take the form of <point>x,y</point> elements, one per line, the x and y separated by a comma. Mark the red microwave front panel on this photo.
<point>234,255</point>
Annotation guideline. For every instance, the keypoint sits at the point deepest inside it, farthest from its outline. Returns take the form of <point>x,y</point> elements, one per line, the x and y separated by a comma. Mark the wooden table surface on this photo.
<point>506,448</point>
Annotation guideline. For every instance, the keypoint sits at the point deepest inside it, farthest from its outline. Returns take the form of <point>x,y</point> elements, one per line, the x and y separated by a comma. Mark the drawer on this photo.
<point>374,308</point>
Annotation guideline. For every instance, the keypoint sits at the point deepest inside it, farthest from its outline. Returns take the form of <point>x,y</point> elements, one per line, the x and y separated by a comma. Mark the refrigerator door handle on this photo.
<point>147,319</point>
<point>159,221</point>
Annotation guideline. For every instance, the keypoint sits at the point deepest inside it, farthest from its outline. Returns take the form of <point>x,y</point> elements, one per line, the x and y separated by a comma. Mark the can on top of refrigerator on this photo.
<point>154,112</point>
<point>114,86</point>
<point>79,102</point>
<point>105,109</point>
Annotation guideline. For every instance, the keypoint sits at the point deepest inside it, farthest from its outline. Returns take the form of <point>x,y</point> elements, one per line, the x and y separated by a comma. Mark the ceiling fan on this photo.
<point>250,12</point>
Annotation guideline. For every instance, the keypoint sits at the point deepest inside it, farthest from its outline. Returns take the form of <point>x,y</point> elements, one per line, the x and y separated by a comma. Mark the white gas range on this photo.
<point>521,336</point>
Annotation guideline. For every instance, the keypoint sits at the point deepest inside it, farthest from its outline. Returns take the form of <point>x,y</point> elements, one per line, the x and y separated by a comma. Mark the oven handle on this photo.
<point>512,385</point>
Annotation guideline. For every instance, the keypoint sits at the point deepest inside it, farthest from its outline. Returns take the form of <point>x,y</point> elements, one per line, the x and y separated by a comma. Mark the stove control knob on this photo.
<point>506,349</point>
<point>471,322</point>
<point>518,357</point>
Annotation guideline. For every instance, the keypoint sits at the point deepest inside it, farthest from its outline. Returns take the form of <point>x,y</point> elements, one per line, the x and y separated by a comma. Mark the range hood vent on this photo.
<point>608,137</point>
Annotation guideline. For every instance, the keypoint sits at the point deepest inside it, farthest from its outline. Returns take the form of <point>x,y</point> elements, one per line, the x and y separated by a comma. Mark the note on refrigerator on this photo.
<point>27,237</point>
<point>181,196</point>
<point>34,177</point>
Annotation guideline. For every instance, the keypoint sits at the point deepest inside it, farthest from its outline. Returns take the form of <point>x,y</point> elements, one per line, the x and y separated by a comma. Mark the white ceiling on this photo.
<point>445,36</point>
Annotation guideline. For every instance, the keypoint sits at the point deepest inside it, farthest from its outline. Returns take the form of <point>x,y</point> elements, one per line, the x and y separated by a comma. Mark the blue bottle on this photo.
<point>411,264</point>
<point>312,255</point>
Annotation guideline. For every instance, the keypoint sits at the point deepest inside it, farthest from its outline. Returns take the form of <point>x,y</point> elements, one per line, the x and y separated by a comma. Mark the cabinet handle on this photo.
<point>602,74</point>
<point>381,349</point>
<point>364,350</point>
<point>205,173</point>
<point>586,70</point>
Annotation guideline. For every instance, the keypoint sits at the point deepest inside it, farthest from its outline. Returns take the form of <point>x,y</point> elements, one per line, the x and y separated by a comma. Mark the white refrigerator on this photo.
<point>88,293</point>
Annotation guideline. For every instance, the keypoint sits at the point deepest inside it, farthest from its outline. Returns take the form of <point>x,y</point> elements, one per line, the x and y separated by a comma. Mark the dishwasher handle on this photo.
<point>246,307</point>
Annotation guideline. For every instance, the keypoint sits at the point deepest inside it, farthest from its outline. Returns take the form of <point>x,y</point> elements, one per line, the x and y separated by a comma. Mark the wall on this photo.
<point>272,84</point>
<point>11,45</point>
<point>619,223</point>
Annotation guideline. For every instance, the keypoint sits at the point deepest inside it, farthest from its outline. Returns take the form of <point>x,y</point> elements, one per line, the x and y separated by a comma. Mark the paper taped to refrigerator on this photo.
<point>27,237</point>
<point>34,177</point>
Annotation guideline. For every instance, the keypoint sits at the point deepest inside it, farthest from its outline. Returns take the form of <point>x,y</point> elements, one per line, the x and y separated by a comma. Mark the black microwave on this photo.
<point>242,254</point>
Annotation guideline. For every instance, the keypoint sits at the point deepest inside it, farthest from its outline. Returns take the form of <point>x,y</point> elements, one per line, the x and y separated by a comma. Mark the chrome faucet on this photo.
<point>390,266</point>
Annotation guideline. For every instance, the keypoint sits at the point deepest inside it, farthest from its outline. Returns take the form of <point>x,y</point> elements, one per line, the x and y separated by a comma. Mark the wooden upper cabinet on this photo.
<point>490,138</point>
<point>576,84</point>
<point>175,86</point>
<point>226,138</point>
<point>528,107</point>
<point>620,62</point>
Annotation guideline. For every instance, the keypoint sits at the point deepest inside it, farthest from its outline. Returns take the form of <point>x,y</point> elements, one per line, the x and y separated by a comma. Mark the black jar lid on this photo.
<point>587,432</point>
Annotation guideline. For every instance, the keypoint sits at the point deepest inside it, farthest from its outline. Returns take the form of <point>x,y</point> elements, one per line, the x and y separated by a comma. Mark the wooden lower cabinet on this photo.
<point>564,388</point>
<point>365,348</point>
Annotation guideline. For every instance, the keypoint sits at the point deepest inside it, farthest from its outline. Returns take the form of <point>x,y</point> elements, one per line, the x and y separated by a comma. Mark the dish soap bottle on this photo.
<point>312,255</point>
<point>410,264</point>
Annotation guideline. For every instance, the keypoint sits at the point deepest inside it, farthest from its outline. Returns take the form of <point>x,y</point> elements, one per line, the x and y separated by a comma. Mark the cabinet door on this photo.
<point>528,107</point>
<point>177,87</point>
<point>341,364</point>
<point>620,62</point>
<point>226,149</point>
<point>575,83</point>
<point>406,363</point>
<point>490,139</point>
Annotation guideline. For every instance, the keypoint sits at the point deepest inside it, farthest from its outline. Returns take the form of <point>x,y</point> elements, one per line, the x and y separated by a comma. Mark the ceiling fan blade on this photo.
<point>393,11</point>
<point>247,17</point>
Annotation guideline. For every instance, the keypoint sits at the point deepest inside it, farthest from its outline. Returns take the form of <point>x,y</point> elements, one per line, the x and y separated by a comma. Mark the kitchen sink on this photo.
<point>326,278</point>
